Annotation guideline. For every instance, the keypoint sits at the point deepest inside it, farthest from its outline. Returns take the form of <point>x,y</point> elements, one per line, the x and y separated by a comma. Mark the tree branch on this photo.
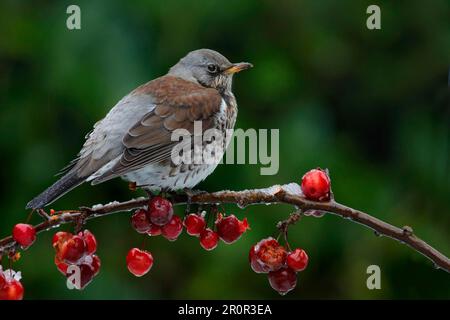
<point>288,194</point>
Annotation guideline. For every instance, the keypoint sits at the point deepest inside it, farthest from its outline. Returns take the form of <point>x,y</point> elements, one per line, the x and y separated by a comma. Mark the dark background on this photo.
<point>372,106</point>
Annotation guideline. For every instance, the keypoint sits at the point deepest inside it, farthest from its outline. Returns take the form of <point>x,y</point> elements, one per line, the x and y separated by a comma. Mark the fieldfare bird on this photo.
<point>134,142</point>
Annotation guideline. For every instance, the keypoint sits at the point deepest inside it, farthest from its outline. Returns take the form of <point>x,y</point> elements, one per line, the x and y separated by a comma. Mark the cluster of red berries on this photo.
<point>268,256</point>
<point>79,251</point>
<point>228,228</point>
<point>158,219</point>
<point>10,286</point>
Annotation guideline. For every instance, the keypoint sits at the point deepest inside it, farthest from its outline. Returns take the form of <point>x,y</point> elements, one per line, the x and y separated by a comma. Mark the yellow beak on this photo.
<point>238,67</point>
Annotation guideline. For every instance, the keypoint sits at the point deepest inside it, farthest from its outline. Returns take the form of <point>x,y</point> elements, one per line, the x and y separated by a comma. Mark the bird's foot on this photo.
<point>190,193</point>
<point>149,193</point>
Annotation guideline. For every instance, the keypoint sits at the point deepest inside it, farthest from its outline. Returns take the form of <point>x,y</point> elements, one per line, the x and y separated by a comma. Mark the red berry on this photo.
<point>72,250</point>
<point>209,239</point>
<point>87,271</point>
<point>283,280</point>
<point>255,263</point>
<point>173,228</point>
<point>60,237</point>
<point>154,230</point>
<point>24,234</point>
<point>316,185</point>
<point>270,254</point>
<point>86,275</point>
<point>160,211</point>
<point>140,222</point>
<point>96,264</point>
<point>230,228</point>
<point>12,290</point>
<point>194,224</point>
<point>62,266</point>
<point>139,262</point>
<point>297,260</point>
<point>91,242</point>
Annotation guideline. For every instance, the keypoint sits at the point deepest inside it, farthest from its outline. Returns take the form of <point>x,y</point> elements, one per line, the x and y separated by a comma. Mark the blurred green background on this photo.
<point>372,106</point>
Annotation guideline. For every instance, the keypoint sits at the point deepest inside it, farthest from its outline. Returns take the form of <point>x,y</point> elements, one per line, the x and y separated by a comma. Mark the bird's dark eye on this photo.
<point>213,68</point>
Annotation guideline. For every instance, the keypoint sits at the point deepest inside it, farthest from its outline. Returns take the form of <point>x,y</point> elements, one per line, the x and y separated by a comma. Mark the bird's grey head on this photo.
<point>208,68</point>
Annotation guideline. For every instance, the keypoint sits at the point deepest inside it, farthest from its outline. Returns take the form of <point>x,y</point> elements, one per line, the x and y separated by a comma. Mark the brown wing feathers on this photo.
<point>178,103</point>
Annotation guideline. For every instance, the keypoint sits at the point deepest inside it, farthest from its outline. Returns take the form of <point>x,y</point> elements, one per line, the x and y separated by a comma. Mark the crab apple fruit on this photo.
<point>139,262</point>
<point>316,185</point>
<point>283,280</point>
<point>72,250</point>
<point>60,265</point>
<point>91,242</point>
<point>96,264</point>
<point>255,263</point>
<point>230,228</point>
<point>86,276</point>
<point>297,260</point>
<point>209,239</point>
<point>160,211</point>
<point>270,254</point>
<point>140,222</point>
<point>173,228</point>
<point>24,234</point>
<point>154,230</point>
<point>87,271</point>
<point>59,238</point>
<point>194,224</point>
<point>12,290</point>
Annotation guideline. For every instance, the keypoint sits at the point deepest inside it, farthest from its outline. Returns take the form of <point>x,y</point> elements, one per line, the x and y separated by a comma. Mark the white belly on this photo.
<point>156,177</point>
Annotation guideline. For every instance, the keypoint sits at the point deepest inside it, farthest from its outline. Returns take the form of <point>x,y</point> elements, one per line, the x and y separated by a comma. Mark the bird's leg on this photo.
<point>165,193</point>
<point>149,193</point>
<point>187,191</point>
<point>188,206</point>
<point>189,194</point>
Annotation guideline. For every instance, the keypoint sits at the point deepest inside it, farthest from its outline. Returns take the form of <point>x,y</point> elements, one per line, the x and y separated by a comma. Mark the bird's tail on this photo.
<point>69,181</point>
